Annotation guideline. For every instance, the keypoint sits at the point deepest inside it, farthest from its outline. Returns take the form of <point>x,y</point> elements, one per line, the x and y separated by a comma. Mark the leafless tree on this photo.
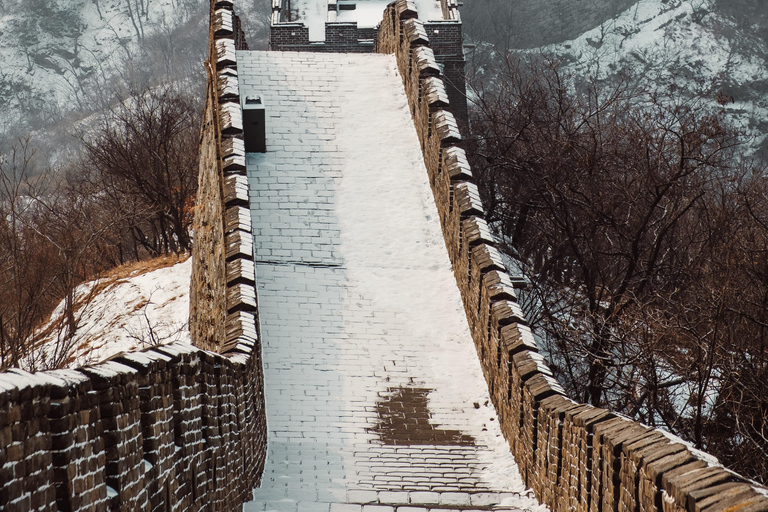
<point>643,236</point>
<point>145,159</point>
<point>25,275</point>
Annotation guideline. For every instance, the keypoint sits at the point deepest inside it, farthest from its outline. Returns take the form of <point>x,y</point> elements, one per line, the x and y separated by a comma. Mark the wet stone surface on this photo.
<point>404,419</point>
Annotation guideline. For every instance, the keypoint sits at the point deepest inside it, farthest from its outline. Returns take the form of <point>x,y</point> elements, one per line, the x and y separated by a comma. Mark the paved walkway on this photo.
<point>375,398</point>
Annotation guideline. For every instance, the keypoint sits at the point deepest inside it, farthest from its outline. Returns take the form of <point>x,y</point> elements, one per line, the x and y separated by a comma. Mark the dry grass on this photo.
<point>142,267</point>
<point>107,280</point>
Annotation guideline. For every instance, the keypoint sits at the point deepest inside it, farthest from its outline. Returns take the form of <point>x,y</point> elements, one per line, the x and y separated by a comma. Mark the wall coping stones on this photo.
<point>476,231</point>
<point>467,197</point>
<point>446,127</point>
<point>530,363</point>
<point>413,29</point>
<point>434,92</point>
<point>236,190</point>
<point>144,362</point>
<point>225,53</point>
<point>560,405</point>
<point>223,23</point>
<point>499,285</point>
<point>590,417</point>
<point>634,450</point>
<point>239,245</point>
<point>406,9</point>
<point>109,375</point>
<point>705,497</point>
<point>612,426</point>
<point>507,311</point>
<point>227,88</point>
<point>424,59</point>
<point>487,258</point>
<point>731,501</point>
<point>237,219</point>
<point>542,386</point>
<point>518,336</point>
<point>656,451</point>
<point>455,161</point>
<point>25,381</point>
<point>681,481</point>
<point>231,118</point>
<point>175,350</point>
<point>655,469</point>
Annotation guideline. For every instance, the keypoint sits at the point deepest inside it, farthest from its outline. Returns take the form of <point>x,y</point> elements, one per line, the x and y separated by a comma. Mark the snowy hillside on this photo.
<point>61,56</point>
<point>131,309</point>
<point>683,45</point>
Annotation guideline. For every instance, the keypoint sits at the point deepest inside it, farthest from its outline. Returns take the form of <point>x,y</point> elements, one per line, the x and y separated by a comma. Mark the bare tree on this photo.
<point>644,238</point>
<point>145,156</point>
<point>26,279</point>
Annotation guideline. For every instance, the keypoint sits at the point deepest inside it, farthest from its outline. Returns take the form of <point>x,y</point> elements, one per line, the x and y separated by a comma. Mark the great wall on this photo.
<point>185,429</point>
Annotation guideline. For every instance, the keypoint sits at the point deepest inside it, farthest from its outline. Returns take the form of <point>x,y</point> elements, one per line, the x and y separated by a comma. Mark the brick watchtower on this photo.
<point>351,26</point>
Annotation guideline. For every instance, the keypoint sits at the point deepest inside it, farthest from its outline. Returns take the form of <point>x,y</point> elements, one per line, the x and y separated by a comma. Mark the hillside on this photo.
<point>64,56</point>
<point>699,49</point>
<point>692,47</point>
<point>132,308</point>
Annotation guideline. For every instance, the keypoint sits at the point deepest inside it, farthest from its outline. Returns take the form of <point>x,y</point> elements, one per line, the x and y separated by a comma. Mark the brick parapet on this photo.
<point>574,456</point>
<point>446,42</point>
<point>174,427</point>
<point>132,433</point>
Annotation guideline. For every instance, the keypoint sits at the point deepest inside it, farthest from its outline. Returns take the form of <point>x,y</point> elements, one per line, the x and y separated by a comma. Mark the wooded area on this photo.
<point>644,233</point>
<point>128,197</point>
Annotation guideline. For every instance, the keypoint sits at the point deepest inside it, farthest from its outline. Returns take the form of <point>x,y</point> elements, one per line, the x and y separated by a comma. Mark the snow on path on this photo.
<point>373,388</point>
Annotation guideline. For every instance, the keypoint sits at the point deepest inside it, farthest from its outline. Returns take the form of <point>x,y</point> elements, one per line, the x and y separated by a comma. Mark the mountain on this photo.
<point>711,51</point>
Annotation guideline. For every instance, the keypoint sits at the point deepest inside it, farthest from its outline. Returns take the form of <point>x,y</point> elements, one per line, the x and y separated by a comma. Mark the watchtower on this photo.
<point>351,26</point>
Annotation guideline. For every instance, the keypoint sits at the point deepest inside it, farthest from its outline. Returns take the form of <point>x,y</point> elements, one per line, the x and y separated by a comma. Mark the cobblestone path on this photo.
<point>375,399</point>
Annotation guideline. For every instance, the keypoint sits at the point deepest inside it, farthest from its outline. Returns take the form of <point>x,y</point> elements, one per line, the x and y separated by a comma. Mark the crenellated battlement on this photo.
<point>174,427</point>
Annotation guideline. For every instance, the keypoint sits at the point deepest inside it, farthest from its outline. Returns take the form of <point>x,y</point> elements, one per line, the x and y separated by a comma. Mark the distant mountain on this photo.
<point>65,55</point>
<point>65,59</point>
<point>715,50</point>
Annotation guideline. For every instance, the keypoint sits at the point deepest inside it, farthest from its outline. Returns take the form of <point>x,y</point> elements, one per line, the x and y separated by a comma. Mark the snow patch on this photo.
<point>390,268</point>
<point>676,45</point>
<point>119,315</point>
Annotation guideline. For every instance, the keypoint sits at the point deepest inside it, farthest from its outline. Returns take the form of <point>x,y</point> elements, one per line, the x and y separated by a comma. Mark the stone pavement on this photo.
<point>375,399</point>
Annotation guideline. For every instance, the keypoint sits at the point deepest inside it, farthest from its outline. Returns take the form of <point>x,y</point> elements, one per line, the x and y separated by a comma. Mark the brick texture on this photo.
<point>173,428</point>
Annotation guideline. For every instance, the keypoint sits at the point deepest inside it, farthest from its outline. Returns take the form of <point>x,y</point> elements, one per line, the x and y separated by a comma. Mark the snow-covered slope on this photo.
<point>132,308</point>
<point>686,46</point>
<point>65,55</point>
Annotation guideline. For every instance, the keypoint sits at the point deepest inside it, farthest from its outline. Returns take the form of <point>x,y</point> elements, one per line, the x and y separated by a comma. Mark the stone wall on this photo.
<point>346,37</point>
<point>172,428</point>
<point>208,297</point>
<point>574,456</point>
<point>222,289</point>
